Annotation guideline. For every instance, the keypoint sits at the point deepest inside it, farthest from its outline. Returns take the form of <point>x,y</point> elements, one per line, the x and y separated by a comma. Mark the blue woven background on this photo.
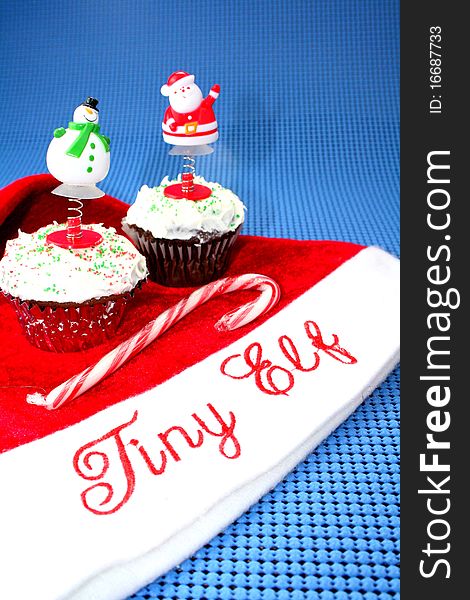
<point>309,125</point>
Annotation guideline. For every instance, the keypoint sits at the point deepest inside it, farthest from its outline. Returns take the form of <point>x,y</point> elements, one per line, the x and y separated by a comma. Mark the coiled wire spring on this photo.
<point>187,177</point>
<point>74,218</point>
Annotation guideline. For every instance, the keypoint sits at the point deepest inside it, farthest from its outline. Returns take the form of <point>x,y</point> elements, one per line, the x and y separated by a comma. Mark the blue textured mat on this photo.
<point>309,124</point>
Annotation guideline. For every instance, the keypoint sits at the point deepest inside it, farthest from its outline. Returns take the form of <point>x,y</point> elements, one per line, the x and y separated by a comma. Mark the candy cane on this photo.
<point>78,384</point>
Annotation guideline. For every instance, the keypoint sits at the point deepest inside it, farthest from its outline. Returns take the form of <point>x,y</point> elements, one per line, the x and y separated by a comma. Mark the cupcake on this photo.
<point>68,300</point>
<point>186,242</point>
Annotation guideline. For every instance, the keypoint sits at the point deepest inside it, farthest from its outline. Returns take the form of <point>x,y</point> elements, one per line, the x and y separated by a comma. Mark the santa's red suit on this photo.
<point>193,128</point>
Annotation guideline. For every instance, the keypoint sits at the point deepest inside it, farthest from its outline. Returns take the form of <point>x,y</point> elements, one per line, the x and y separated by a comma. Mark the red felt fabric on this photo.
<point>29,204</point>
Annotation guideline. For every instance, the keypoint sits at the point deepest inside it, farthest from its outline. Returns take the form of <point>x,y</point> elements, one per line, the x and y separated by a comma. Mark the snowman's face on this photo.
<point>185,98</point>
<point>85,114</point>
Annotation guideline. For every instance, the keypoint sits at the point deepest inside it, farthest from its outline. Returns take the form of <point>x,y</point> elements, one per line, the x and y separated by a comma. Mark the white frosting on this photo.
<point>182,219</point>
<point>32,269</point>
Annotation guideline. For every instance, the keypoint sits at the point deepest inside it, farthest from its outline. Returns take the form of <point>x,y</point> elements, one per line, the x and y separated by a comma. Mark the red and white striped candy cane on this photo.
<point>78,384</point>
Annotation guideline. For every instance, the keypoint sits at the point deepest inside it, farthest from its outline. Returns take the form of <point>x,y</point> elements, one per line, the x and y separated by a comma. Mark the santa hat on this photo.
<point>180,77</point>
<point>126,457</point>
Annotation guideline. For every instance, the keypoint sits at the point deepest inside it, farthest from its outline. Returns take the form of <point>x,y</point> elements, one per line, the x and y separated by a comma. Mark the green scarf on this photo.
<point>80,143</point>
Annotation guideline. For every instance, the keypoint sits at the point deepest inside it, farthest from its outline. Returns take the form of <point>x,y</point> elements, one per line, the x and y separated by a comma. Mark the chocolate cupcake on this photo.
<point>68,300</point>
<point>186,242</point>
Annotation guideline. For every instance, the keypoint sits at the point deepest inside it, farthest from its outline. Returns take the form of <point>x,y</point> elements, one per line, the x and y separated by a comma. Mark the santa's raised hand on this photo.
<point>190,119</point>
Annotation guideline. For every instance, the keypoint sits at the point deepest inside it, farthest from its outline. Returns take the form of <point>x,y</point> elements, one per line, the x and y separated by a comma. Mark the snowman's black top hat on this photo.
<point>92,103</point>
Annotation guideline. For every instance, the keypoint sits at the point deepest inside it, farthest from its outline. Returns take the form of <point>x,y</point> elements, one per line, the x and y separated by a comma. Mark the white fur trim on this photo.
<point>166,89</point>
<point>188,79</point>
<point>187,140</point>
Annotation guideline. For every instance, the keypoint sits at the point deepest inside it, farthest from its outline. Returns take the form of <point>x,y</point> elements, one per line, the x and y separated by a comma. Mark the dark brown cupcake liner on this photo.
<point>184,263</point>
<point>70,328</point>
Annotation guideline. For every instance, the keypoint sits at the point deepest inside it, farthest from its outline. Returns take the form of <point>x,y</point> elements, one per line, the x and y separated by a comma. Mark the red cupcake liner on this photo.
<point>183,263</point>
<point>64,328</point>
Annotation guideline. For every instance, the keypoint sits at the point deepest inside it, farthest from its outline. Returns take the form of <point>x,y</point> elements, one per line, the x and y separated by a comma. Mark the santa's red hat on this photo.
<point>321,371</point>
<point>180,77</point>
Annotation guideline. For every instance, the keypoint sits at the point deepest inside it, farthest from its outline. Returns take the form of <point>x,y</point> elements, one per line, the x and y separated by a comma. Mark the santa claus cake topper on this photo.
<point>190,125</point>
<point>189,120</point>
<point>79,157</point>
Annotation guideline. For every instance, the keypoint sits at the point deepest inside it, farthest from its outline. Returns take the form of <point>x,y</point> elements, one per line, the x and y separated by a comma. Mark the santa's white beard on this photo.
<point>185,105</point>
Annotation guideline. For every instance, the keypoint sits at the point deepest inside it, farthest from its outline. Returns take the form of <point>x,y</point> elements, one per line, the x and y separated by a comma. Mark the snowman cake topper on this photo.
<point>79,157</point>
<point>190,125</point>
